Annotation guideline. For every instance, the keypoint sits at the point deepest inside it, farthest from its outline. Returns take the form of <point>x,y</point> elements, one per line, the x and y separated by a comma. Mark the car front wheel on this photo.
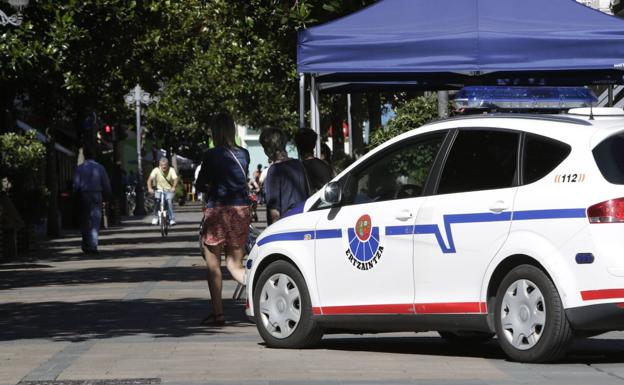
<point>283,308</point>
<point>530,320</point>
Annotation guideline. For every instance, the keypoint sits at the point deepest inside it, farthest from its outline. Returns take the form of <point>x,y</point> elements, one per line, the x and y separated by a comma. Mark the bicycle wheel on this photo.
<point>163,223</point>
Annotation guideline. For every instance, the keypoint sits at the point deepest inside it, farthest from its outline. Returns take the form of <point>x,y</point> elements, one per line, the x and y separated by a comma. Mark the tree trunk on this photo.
<point>52,183</point>
<point>357,113</point>
<point>116,205</point>
<point>338,112</point>
<point>374,111</point>
<point>7,96</point>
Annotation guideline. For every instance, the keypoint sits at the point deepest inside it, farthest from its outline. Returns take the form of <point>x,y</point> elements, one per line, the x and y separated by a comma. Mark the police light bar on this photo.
<point>523,98</point>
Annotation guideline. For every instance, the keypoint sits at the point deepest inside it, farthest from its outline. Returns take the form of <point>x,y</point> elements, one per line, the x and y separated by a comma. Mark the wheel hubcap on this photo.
<point>523,314</point>
<point>280,305</point>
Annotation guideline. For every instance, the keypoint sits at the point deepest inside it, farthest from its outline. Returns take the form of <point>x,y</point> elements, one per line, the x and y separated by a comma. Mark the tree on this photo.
<point>410,114</point>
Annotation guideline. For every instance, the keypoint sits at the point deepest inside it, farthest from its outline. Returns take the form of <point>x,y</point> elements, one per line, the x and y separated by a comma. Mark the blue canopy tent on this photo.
<point>446,44</point>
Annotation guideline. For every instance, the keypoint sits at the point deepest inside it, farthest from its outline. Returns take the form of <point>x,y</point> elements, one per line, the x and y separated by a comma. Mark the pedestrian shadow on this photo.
<point>13,279</point>
<point>66,254</point>
<point>68,321</point>
<point>129,238</point>
<point>582,351</point>
<point>21,266</point>
<point>147,230</point>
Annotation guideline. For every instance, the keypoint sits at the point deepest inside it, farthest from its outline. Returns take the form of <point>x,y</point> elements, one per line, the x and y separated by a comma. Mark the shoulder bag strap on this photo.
<point>164,177</point>
<point>240,166</point>
<point>305,175</point>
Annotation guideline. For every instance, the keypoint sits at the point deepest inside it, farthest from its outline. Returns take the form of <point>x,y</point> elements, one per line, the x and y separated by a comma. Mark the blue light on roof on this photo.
<point>523,98</point>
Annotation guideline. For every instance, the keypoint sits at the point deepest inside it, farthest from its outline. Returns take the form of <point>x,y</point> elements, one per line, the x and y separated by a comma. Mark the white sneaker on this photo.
<point>171,222</point>
<point>154,221</point>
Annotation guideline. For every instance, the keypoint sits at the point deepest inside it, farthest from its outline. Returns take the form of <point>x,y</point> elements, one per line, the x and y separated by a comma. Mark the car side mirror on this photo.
<point>332,193</point>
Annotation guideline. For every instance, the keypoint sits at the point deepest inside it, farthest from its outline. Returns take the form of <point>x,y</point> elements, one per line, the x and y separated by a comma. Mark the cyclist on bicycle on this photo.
<point>165,178</point>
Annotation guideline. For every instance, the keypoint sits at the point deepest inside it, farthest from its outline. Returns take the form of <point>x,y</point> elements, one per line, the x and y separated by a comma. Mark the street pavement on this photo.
<point>131,314</point>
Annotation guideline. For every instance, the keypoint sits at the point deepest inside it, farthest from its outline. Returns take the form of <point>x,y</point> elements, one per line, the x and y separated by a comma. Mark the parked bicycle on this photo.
<point>130,199</point>
<point>148,200</point>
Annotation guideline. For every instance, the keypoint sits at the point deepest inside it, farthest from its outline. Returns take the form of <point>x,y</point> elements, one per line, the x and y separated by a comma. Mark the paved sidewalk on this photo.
<point>124,313</point>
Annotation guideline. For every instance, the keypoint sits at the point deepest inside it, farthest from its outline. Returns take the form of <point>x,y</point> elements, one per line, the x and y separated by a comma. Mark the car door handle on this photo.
<point>498,206</point>
<point>403,215</point>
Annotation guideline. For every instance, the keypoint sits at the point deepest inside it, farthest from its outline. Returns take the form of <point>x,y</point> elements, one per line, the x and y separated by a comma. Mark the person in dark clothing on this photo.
<point>326,154</point>
<point>286,184</point>
<point>91,183</point>
<point>227,215</point>
<point>318,171</point>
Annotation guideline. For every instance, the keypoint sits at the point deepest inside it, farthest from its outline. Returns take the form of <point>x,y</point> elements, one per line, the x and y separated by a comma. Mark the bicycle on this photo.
<point>163,216</point>
<point>130,199</point>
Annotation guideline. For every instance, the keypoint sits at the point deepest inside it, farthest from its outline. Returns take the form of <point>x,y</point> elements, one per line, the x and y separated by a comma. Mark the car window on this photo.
<point>541,156</point>
<point>609,156</point>
<point>397,174</point>
<point>480,160</point>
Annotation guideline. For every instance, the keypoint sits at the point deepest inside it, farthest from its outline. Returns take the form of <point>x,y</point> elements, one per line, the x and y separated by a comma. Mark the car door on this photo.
<point>367,267</point>
<point>460,228</point>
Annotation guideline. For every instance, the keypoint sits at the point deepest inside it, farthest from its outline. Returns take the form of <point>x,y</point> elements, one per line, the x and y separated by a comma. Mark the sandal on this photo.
<point>213,320</point>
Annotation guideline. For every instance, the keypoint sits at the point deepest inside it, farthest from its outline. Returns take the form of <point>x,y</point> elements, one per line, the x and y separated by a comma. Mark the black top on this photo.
<point>319,173</point>
<point>226,180</point>
<point>285,186</point>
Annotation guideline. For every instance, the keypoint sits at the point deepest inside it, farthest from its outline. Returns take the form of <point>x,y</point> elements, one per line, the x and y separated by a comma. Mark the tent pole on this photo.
<point>301,100</point>
<point>314,114</point>
<point>610,93</point>
<point>443,104</point>
<point>350,132</point>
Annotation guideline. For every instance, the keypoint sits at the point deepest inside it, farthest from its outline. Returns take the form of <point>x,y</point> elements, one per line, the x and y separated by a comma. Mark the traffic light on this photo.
<point>107,133</point>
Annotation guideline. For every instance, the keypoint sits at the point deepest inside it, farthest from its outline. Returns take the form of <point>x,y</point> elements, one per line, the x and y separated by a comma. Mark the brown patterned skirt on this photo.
<point>226,225</point>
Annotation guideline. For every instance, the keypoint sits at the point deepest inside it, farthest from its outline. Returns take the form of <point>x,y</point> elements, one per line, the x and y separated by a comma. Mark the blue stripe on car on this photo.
<point>434,229</point>
<point>548,214</point>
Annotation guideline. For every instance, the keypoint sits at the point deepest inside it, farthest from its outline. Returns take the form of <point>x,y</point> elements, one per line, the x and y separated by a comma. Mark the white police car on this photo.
<point>510,225</point>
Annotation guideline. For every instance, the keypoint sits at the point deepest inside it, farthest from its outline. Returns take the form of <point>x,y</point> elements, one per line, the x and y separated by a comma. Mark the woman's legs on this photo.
<point>234,263</point>
<point>215,280</point>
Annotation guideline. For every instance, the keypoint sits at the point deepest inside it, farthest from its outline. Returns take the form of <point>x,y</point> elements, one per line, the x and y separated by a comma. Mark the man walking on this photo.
<point>91,183</point>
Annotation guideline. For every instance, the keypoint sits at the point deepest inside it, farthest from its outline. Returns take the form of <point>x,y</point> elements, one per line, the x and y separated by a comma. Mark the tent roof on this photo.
<point>446,43</point>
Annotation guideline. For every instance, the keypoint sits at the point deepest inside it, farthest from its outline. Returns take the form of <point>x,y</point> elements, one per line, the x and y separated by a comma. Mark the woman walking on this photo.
<point>223,179</point>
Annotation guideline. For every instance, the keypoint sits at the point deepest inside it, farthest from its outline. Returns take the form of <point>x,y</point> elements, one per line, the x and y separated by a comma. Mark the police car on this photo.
<point>506,225</point>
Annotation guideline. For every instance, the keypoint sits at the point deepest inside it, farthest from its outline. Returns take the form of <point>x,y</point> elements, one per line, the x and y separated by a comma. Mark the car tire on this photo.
<point>283,308</point>
<point>466,338</point>
<point>530,320</point>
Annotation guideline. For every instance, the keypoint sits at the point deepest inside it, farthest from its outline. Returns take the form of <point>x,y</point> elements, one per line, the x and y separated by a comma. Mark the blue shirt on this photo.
<point>285,186</point>
<point>91,176</point>
<point>225,178</point>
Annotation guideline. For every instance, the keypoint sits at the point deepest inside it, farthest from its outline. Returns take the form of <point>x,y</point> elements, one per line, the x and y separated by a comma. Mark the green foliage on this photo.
<point>21,158</point>
<point>410,114</point>
<point>76,56</point>
<point>179,193</point>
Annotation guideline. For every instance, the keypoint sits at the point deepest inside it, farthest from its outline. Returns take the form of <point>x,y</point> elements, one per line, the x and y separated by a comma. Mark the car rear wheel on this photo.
<point>530,321</point>
<point>283,308</point>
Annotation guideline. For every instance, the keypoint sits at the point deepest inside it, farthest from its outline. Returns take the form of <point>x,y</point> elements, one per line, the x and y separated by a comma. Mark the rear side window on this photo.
<point>609,156</point>
<point>480,160</point>
<point>541,156</point>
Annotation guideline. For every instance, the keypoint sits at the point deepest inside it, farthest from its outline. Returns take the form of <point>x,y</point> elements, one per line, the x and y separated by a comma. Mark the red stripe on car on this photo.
<point>590,295</point>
